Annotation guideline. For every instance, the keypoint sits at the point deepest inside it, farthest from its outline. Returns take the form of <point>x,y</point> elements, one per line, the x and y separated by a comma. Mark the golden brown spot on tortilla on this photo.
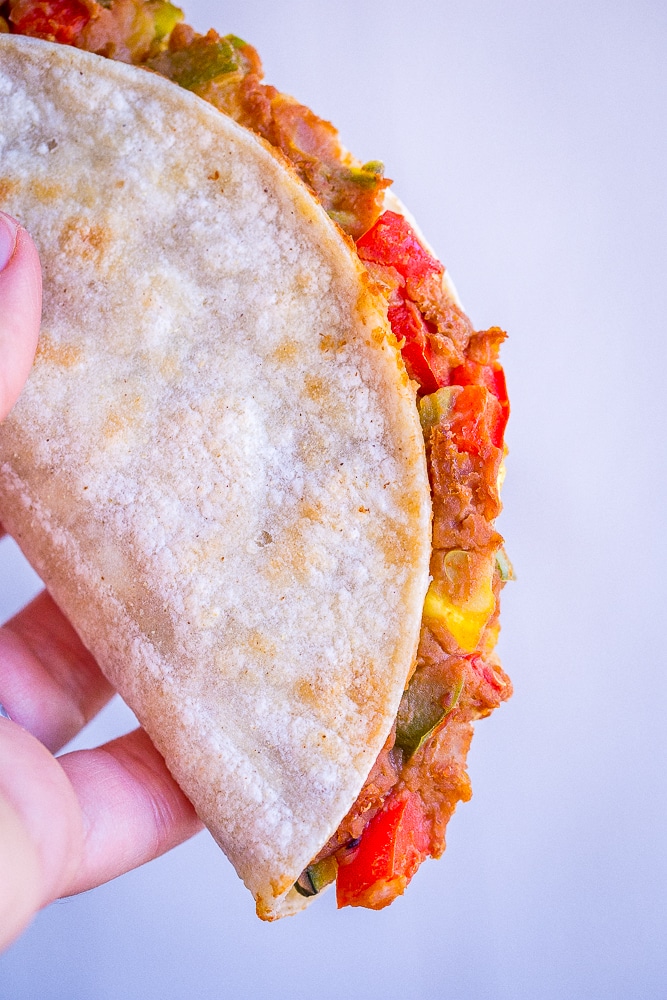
<point>215,176</point>
<point>278,887</point>
<point>412,507</point>
<point>120,184</point>
<point>329,343</point>
<point>311,511</point>
<point>278,571</point>
<point>307,693</point>
<point>286,351</point>
<point>112,425</point>
<point>45,191</point>
<point>316,691</point>
<point>80,239</point>
<point>316,388</point>
<point>116,423</point>
<point>62,355</point>
<point>8,186</point>
<point>261,643</point>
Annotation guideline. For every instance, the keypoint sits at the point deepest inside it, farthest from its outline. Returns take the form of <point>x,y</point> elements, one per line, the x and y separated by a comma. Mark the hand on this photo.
<point>70,823</point>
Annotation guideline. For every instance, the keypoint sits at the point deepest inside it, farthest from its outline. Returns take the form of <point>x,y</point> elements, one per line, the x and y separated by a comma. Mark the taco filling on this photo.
<point>401,813</point>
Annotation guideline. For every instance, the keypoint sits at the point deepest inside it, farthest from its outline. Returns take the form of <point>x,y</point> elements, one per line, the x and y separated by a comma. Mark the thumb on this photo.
<point>20,309</point>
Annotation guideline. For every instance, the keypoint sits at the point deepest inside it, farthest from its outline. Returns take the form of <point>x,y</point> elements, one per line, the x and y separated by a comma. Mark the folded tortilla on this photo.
<point>216,466</point>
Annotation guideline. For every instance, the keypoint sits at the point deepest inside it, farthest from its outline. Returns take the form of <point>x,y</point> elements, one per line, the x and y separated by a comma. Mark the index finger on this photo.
<point>20,309</point>
<point>49,682</point>
<point>132,809</point>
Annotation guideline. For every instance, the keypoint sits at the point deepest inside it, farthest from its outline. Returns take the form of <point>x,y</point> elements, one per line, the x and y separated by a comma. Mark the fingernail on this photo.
<point>8,229</point>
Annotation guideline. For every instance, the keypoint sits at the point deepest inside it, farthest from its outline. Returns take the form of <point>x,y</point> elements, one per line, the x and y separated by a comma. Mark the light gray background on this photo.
<point>529,140</point>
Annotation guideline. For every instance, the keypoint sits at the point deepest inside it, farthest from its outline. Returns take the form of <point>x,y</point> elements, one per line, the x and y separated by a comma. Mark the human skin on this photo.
<point>72,822</point>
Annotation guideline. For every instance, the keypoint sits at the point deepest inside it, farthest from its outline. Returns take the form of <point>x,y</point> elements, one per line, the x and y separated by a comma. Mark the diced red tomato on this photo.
<point>392,847</point>
<point>493,378</point>
<point>56,20</point>
<point>393,241</point>
<point>421,361</point>
<point>477,420</point>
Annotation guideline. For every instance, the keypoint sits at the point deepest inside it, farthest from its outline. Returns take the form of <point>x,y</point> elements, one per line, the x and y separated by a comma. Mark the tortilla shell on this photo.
<point>216,466</point>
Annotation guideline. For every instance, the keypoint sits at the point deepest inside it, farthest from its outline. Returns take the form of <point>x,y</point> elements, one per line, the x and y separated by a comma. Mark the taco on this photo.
<point>258,459</point>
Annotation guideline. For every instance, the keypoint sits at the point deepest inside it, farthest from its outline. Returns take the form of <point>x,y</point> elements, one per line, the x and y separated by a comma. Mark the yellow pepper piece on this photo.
<point>465,622</point>
<point>165,17</point>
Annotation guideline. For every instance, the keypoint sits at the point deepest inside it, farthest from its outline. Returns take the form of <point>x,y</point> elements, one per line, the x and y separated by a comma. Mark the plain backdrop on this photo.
<point>529,141</point>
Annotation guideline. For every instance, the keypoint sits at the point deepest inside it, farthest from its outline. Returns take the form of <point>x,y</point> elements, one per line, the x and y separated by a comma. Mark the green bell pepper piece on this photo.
<point>316,877</point>
<point>423,709</point>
